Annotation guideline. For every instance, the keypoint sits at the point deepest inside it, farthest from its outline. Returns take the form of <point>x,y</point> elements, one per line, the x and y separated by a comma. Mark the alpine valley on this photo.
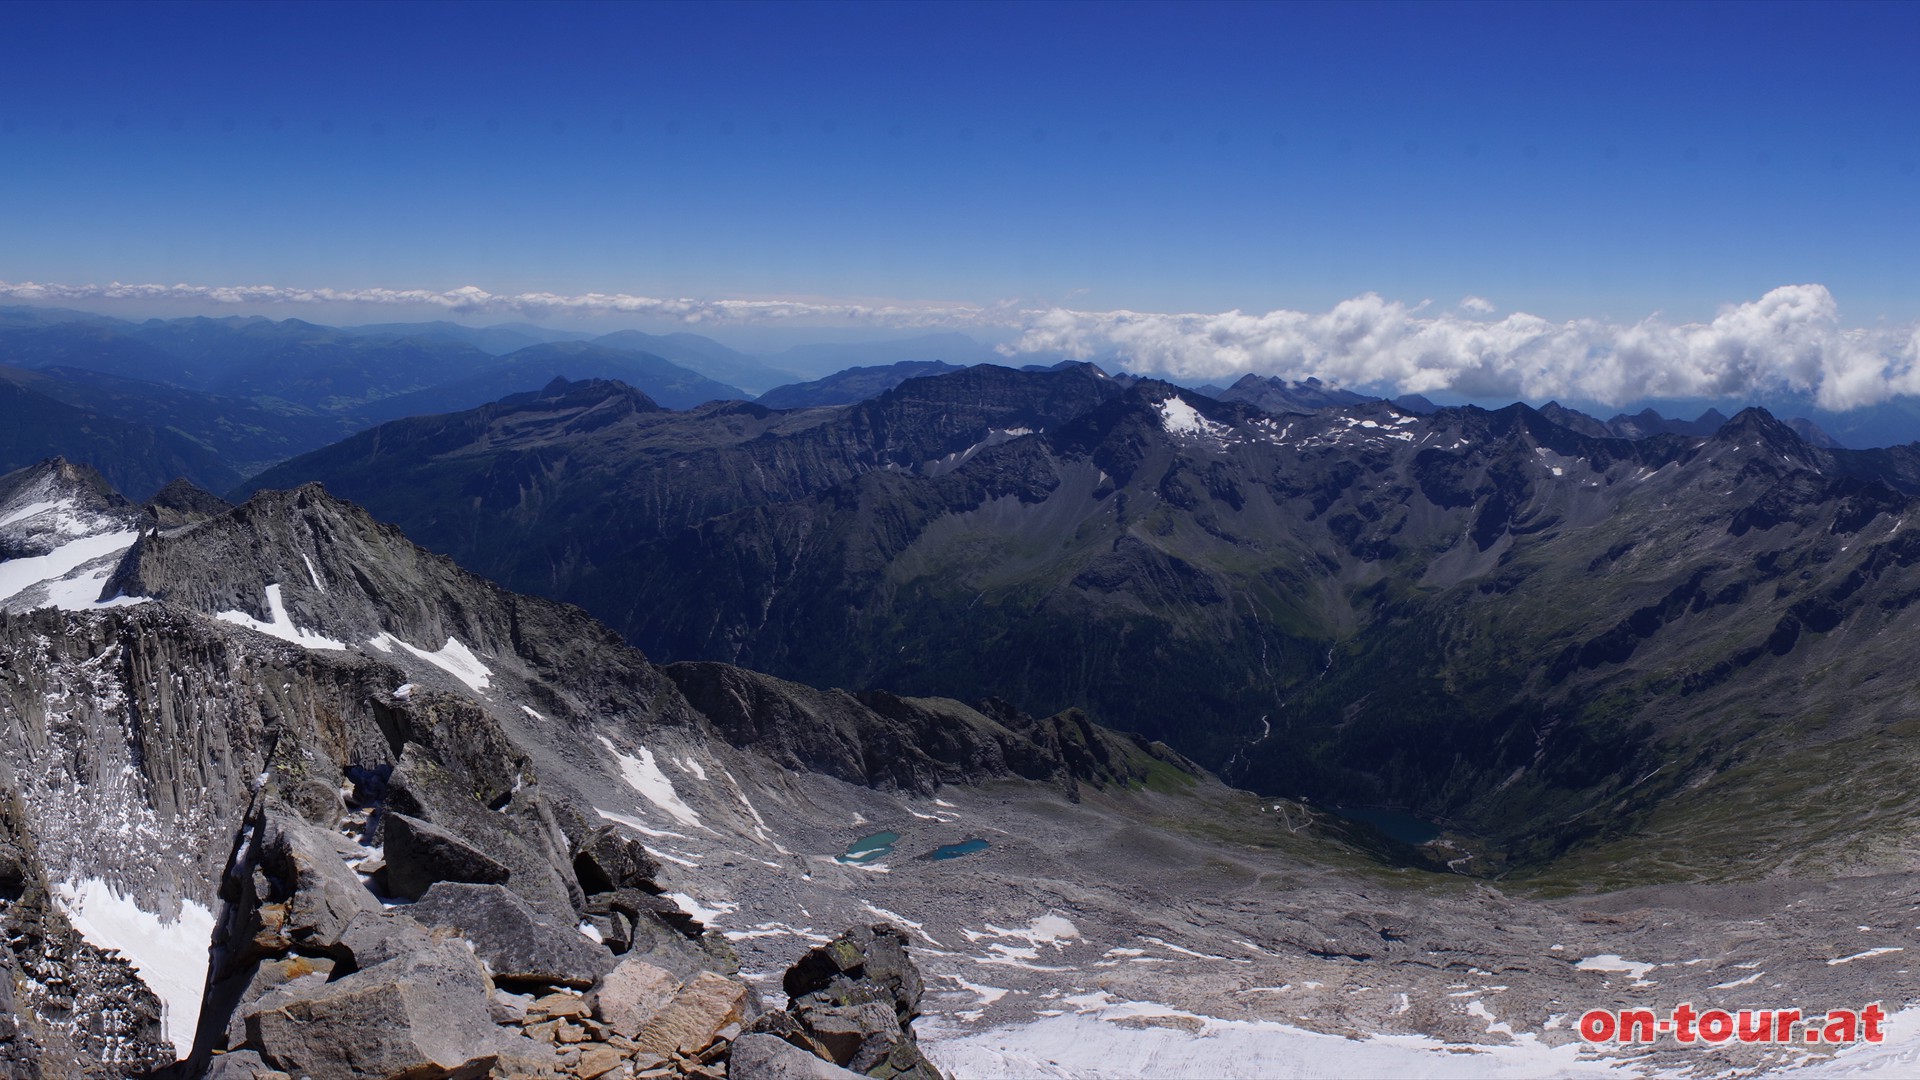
<point>526,705</point>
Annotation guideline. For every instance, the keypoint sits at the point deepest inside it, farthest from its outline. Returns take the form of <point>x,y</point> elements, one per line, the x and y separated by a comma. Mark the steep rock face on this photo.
<point>878,739</point>
<point>1489,618</point>
<point>542,495</point>
<point>289,714</point>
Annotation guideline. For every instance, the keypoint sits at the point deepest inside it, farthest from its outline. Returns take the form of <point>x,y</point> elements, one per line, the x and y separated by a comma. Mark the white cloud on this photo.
<point>1790,339</point>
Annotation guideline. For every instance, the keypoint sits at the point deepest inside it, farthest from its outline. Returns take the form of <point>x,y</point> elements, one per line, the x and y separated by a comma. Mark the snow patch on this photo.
<point>1179,418</point>
<point>645,777</point>
<point>81,592</point>
<point>529,711</point>
<point>1095,1044</point>
<point>169,955</point>
<point>705,914</point>
<point>453,658</point>
<point>312,573</point>
<point>35,510</point>
<point>280,624</point>
<point>1608,962</point>
<point>18,575</point>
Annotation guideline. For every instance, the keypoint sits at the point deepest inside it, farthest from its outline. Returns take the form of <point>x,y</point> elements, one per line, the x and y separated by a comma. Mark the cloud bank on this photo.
<point>1790,341</point>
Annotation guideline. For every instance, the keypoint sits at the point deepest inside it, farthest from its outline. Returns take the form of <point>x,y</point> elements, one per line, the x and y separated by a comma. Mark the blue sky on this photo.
<point>1608,162</point>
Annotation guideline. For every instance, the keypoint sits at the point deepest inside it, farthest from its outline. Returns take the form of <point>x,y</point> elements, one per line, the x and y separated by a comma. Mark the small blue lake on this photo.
<point>955,851</point>
<point>868,848</point>
<point>1398,824</point>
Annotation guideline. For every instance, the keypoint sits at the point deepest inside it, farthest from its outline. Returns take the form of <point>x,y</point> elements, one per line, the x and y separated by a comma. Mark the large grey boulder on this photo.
<point>517,944</point>
<point>606,860</point>
<point>242,1065</point>
<point>318,892</point>
<point>419,853</point>
<point>376,937</point>
<point>422,1015</point>
<point>853,1001</point>
<point>768,1057</point>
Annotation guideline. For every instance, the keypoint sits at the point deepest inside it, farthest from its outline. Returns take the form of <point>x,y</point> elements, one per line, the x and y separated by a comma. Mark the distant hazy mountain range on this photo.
<point>216,400</point>
<point>1493,618</point>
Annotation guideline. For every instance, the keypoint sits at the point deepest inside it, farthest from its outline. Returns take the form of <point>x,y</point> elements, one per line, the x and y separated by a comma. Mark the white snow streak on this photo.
<point>645,777</point>
<point>280,624</point>
<point>453,658</point>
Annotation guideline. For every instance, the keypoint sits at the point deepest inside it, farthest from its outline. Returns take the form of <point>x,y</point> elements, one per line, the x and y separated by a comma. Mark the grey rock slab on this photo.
<point>242,1065</point>
<point>856,1035</point>
<point>419,853</point>
<point>326,894</point>
<point>517,944</point>
<point>424,1014</point>
<point>606,860</point>
<point>375,937</point>
<point>769,1057</point>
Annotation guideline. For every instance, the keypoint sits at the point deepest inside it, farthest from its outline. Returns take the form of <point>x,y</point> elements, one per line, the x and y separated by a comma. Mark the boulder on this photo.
<point>874,954</point>
<point>422,1015</point>
<point>632,994</point>
<point>699,1011</point>
<point>376,937</point>
<point>857,1035</point>
<point>242,1065</point>
<point>271,975</point>
<point>595,1062</point>
<point>419,853</point>
<point>517,944</point>
<point>311,893</point>
<point>853,1001</point>
<point>607,860</point>
<point>768,1057</point>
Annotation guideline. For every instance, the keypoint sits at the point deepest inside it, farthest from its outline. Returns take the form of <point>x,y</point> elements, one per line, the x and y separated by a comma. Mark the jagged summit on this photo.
<point>182,502</point>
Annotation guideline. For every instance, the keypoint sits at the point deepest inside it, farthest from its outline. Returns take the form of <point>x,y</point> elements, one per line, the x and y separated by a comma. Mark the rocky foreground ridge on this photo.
<point>286,795</point>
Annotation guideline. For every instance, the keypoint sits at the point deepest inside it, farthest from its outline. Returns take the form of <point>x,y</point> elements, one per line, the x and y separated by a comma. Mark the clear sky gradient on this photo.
<point>1601,161</point>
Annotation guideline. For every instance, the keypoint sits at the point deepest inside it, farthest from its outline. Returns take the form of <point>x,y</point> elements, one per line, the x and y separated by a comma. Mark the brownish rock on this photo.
<point>596,1061</point>
<point>632,994</point>
<point>696,1015</point>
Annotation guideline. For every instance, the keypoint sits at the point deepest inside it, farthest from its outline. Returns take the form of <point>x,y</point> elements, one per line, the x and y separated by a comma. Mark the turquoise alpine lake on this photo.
<point>964,847</point>
<point>869,848</point>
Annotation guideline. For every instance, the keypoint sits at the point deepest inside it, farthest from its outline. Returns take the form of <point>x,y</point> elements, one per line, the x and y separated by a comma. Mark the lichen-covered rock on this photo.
<point>852,1001</point>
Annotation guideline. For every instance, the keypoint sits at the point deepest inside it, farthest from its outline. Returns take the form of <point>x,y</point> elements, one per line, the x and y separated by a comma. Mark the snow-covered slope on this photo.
<point>62,531</point>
